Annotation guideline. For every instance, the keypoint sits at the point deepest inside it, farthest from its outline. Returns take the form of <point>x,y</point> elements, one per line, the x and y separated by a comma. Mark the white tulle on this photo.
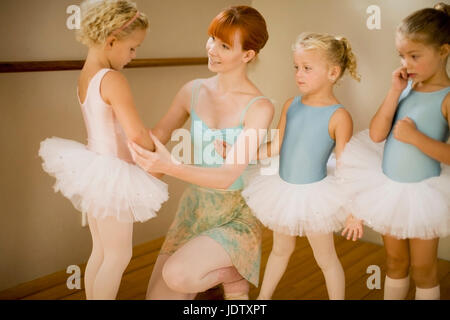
<point>102,185</point>
<point>403,210</point>
<point>296,209</point>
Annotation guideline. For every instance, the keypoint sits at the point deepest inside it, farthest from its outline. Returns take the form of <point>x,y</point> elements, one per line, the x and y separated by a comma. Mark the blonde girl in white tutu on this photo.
<point>401,188</point>
<point>101,179</point>
<point>304,199</point>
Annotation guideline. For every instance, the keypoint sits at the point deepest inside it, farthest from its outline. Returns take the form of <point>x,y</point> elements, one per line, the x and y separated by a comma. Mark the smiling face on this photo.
<point>421,61</point>
<point>121,52</point>
<point>312,71</point>
<point>223,57</point>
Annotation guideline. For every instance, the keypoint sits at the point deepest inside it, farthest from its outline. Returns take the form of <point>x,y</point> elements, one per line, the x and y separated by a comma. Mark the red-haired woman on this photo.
<point>214,237</point>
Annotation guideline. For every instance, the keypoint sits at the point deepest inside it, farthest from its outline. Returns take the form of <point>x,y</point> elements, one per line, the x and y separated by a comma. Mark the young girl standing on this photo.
<point>400,188</point>
<point>101,178</point>
<point>304,199</point>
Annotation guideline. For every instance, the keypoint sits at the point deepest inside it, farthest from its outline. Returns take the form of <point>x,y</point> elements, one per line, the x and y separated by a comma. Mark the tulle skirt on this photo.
<point>102,185</point>
<point>297,209</point>
<point>403,210</point>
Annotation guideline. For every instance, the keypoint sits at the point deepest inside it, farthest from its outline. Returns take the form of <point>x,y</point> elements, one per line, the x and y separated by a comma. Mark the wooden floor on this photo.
<point>302,280</point>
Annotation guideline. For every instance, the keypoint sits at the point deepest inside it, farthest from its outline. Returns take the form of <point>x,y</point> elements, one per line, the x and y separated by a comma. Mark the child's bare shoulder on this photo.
<point>342,116</point>
<point>114,78</point>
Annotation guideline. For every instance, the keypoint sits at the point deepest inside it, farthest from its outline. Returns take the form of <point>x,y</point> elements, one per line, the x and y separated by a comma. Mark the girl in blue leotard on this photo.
<point>304,199</point>
<point>402,188</point>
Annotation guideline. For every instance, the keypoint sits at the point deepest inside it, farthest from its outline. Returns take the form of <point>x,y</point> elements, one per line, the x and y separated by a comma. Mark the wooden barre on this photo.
<point>34,66</point>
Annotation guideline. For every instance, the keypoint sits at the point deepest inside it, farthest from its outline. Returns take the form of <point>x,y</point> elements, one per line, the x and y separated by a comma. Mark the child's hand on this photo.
<point>221,147</point>
<point>353,228</point>
<point>404,130</point>
<point>399,79</point>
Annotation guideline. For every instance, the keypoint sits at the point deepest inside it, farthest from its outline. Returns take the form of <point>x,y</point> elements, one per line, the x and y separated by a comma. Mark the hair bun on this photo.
<point>442,7</point>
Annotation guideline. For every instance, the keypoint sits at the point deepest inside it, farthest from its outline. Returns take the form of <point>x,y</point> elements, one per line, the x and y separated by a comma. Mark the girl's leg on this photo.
<point>95,260</point>
<point>396,284</point>
<point>326,257</point>
<point>116,238</point>
<point>282,248</point>
<point>157,287</point>
<point>424,268</point>
<point>198,265</point>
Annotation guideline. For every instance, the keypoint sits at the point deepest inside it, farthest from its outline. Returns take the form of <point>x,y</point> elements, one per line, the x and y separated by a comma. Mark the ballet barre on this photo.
<point>64,65</point>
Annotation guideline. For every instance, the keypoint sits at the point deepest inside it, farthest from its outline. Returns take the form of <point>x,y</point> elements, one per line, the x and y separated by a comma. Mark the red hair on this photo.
<point>247,20</point>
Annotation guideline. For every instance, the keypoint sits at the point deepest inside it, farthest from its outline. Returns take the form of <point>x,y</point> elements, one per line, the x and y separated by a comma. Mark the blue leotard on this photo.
<point>307,144</point>
<point>404,162</point>
<point>203,137</point>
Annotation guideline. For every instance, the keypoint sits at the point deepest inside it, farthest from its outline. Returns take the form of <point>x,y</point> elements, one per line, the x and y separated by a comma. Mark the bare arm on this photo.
<point>341,130</point>
<point>273,147</point>
<point>437,150</point>
<point>176,116</point>
<point>116,92</point>
<point>258,117</point>
<point>381,123</point>
<point>257,120</point>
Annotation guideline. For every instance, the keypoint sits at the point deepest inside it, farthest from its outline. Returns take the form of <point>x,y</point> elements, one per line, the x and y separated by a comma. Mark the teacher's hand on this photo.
<point>158,161</point>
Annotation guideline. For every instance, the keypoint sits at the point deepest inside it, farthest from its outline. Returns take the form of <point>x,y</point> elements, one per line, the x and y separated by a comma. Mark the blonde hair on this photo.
<point>337,50</point>
<point>100,18</point>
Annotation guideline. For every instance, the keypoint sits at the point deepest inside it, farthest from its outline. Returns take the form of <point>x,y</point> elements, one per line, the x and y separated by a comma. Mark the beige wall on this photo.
<point>40,231</point>
<point>375,50</point>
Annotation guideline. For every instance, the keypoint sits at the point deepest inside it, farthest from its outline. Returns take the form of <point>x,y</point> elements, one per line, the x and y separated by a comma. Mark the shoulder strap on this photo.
<point>94,84</point>
<point>241,120</point>
<point>194,93</point>
<point>99,77</point>
<point>102,73</point>
<point>405,91</point>
<point>332,111</point>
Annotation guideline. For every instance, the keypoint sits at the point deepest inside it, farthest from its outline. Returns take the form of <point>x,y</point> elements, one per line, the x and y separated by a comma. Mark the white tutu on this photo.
<point>297,209</point>
<point>403,210</point>
<point>102,185</point>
